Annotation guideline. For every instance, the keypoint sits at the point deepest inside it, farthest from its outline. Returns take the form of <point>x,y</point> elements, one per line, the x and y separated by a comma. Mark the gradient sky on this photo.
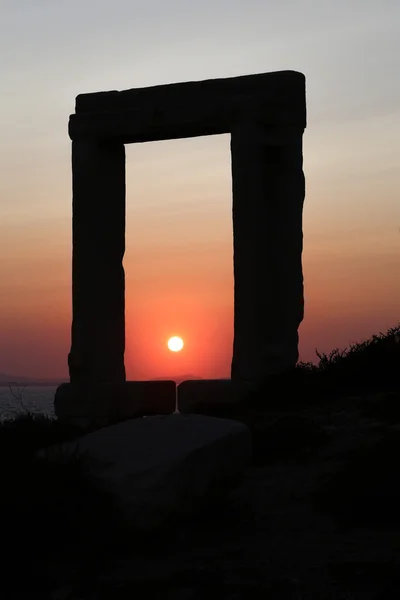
<point>179,234</point>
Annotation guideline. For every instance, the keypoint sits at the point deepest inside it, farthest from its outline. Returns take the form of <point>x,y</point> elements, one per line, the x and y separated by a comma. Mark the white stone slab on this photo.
<point>162,467</point>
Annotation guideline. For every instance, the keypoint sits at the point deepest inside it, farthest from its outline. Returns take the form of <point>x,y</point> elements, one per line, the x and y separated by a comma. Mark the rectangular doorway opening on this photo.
<point>179,258</point>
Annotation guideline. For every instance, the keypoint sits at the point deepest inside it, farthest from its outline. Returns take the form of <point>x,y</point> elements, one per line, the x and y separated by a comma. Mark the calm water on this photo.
<point>33,399</point>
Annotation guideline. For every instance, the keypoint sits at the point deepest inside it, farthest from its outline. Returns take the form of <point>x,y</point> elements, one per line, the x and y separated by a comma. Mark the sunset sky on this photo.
<point>178,259</point>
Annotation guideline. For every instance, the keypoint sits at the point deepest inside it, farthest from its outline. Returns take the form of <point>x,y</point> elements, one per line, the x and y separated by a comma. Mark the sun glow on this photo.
<point>175,343</point>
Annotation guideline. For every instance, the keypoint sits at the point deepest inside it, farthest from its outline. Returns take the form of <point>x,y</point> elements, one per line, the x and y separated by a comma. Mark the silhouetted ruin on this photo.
<point>266,117</point>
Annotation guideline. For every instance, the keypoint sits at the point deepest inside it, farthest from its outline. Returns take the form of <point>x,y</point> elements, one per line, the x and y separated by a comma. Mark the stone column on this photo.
<point>268,196</point>
<point>98,281</point>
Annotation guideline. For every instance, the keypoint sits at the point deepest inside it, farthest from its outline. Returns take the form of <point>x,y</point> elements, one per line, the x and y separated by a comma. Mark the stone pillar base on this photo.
<point>96,406</point>
<point>205,396</point>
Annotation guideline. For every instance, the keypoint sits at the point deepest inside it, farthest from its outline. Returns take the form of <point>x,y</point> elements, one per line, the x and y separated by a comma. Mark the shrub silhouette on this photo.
<point>372,365</point>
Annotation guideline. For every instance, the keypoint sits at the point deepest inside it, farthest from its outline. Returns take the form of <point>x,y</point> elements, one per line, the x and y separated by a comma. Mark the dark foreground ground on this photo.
<point>316,517</point>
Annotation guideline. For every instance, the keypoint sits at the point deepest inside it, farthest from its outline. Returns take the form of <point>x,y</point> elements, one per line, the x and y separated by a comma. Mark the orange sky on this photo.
<point>179,234</point>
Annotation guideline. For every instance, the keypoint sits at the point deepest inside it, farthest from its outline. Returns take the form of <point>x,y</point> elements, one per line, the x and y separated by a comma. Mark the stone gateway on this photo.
<point>265,115</point>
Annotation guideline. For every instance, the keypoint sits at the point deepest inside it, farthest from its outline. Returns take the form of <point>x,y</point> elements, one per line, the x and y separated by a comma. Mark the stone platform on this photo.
<point>162,468</point>
<point>194,395</point>
<point>100,405</point>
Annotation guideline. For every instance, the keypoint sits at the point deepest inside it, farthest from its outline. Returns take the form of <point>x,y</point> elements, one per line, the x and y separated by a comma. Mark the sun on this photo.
<point>175,343</point>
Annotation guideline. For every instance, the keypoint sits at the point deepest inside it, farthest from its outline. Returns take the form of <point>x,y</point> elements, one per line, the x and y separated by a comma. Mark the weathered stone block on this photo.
<point>98,279</point>
<point>162,468</point>
<point>268,190</point>
<point>192,396</point>
<point>190,109</point>
<point>100,405</point>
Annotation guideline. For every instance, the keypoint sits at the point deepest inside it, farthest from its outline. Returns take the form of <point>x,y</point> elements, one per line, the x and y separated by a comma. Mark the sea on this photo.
<point>15,400</point>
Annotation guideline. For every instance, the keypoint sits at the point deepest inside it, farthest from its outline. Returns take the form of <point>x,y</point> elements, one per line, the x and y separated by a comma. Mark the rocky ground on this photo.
<point>315,517</point>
